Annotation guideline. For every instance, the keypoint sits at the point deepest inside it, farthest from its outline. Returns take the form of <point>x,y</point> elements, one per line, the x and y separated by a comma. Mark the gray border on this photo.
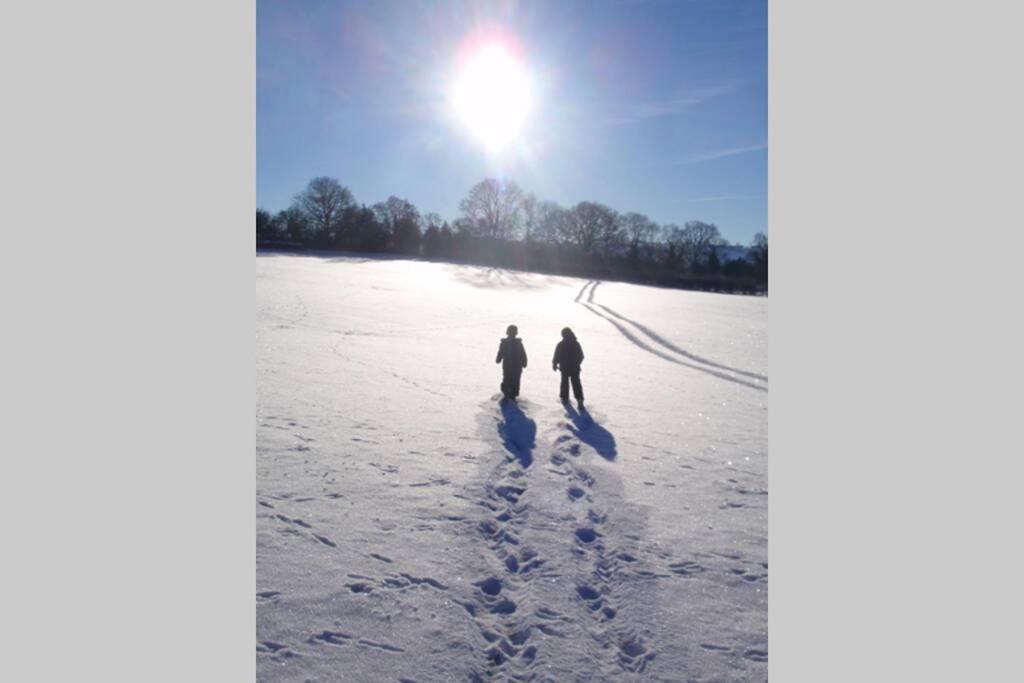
<point>893,180</point>
<point>127,363</point>
<point>129,536</point>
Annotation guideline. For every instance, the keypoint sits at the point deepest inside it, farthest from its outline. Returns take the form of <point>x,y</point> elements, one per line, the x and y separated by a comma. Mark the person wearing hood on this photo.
<point>568,358</point>
<point>512,357</point>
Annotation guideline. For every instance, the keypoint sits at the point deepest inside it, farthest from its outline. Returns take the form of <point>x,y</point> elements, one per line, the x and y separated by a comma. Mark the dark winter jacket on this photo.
<point>568,356</point>
<point>511,354</point>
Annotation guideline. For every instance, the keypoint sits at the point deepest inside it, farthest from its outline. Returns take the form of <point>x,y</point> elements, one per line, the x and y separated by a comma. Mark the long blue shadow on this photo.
<point>591,433</point>
<point>518,433</point>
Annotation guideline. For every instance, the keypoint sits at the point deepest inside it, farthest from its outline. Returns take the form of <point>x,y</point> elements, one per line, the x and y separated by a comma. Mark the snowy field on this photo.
<point>411,528</point>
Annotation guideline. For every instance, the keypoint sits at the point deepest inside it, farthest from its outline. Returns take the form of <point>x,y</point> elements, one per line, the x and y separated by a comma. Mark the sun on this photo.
<point>492,95</point>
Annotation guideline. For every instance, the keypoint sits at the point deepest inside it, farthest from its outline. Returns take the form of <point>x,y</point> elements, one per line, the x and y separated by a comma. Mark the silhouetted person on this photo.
<point>568,358</point>
<point>512,357</point>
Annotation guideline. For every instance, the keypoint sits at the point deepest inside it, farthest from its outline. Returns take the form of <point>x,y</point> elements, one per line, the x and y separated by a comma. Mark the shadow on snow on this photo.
<point>518,432</point>
<point>591,433</point>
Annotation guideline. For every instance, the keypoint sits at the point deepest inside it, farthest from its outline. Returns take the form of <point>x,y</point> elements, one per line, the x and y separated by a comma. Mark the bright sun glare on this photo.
<point>492,96</point>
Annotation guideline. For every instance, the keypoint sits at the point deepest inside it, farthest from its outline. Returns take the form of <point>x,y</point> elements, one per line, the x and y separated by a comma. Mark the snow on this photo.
<point>410,527</point>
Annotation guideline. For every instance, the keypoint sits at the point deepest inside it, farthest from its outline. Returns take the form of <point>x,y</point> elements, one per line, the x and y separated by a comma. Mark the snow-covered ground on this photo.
<point>411,528</point>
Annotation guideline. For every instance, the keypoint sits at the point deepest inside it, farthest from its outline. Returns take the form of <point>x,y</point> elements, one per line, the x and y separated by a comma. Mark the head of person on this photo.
<point>512,330</point>
<point>567,333</point>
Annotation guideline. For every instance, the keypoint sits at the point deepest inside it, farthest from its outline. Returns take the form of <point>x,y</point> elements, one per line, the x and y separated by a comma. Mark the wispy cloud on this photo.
<point>713,154</point>
<point>721,198</point>
<point>641,111</point>
<point>718,198</point>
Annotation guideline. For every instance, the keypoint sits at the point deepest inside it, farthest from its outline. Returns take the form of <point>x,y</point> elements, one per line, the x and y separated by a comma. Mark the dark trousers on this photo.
<point>577,388</point>
<point>510,383</point>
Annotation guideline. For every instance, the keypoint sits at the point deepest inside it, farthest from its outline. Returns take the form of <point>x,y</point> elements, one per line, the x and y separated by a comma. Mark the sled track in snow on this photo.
<point>707,366</point>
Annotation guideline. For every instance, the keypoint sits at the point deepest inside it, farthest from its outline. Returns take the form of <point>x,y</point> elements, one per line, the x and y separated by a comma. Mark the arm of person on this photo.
<point>501,352</point>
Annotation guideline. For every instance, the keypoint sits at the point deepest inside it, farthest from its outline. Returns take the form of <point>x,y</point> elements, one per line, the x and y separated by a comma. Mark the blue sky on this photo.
<point>656,106</point>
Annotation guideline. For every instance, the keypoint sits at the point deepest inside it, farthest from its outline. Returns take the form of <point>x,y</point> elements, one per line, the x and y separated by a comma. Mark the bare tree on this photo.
<point>395,210</point>
<point>550,222</point>
<point>760,245</point>
<point>402,221</point>
<point>529,206</point>
<point>363,231</point>
<point>430,220</point>
<point>322,203</point>
<point>652,247</point>
<point>673,237</point>
<point>493,208</point>
<point>613,240</point>
<point>759,252</point>
<point>698,239</point>
<point>639,230</point>
<point>592,226</point>
<point>293,224</point>
<point>264,224</point>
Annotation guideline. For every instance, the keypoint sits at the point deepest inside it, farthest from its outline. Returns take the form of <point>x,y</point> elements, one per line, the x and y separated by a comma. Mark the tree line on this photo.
<point>501,225</point>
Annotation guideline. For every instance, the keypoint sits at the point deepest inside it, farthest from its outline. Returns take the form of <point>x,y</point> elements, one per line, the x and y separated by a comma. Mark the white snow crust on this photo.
<point>409,527</point>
